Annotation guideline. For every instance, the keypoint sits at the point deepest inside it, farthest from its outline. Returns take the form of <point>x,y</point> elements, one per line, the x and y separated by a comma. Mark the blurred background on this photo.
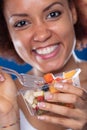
<point>26,67</point>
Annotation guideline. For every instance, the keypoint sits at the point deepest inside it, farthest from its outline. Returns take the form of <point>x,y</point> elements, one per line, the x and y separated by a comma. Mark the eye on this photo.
<point>54,15</point>
<point>22,23</point>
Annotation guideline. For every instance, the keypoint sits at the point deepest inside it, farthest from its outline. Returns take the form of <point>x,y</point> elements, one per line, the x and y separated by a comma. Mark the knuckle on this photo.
<point>66,86</point>
<point>61,121</point>
<point>75,99</point>
<point>55,96</point>
<point>49,106</point>
<point>66,111</point>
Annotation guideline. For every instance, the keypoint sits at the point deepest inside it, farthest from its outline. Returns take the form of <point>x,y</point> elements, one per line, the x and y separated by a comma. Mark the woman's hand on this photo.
<point>9,113</point>
<point>74,118</point>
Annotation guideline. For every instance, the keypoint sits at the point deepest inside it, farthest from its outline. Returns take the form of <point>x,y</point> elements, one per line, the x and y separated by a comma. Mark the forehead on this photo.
<point>29,6</point>
<point>13,4</point>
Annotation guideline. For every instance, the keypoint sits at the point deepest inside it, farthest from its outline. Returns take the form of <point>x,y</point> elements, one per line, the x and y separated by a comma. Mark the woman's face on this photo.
<point>41,31</point>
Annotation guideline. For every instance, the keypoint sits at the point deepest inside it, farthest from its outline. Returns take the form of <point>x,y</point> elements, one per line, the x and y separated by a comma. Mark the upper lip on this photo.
<point>44,46</point>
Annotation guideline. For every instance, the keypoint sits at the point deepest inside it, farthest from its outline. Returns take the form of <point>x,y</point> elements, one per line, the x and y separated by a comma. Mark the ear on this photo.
<point>74,12</point>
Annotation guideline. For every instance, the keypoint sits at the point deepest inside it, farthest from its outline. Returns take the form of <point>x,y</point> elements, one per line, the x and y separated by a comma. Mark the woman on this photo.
<point>42,33</point>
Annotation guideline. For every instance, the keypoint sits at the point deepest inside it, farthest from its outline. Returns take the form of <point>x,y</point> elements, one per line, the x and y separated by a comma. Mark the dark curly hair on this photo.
<point>7,49</point>
<point>6,46</point>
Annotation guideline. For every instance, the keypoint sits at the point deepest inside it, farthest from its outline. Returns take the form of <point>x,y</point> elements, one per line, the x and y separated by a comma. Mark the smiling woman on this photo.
<point>9,45</point>
<point>34,31</point>
<point>42,34</point>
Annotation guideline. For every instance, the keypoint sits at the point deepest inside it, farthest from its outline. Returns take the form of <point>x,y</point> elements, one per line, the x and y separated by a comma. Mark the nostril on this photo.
<point>42,35</point>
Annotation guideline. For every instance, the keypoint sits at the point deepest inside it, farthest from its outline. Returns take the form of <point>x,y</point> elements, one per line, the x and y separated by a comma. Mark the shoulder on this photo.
<point>83,66</point>
<point>83,75</point>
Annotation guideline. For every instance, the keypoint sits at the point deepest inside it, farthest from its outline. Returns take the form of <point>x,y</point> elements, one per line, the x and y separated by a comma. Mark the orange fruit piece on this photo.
<point>48,77</point>
<point>53,90</point>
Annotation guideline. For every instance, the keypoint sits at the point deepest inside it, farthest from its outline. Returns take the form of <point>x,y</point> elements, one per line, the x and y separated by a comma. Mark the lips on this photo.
<point>47,52</point>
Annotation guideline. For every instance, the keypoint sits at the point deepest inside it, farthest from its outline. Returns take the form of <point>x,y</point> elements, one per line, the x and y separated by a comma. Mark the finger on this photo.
<point>68,123</point>
<point>68,88</point>
<point>62,110</point>
<point>65,99</point>
<point>61,97</point>
<point>2,78</point>
<point>7,87</point>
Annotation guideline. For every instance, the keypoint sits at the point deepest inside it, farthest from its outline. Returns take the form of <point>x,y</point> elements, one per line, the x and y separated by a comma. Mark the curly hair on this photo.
<point>7,45</point>
<point>7,49</point>
<point>79,27</point>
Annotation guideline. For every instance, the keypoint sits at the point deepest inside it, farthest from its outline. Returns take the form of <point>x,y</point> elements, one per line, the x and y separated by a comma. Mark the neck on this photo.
<point>71,64</point>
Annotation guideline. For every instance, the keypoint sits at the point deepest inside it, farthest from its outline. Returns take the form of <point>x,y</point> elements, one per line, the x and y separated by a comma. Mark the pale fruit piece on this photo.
<point>70,74</point>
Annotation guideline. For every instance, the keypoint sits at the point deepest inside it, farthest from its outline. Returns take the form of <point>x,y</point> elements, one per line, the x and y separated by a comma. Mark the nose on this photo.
<point>42,33</point>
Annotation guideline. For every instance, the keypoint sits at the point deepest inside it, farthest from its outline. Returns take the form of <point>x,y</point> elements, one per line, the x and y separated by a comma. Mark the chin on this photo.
<point>51,66</point>
<point>50,69</point>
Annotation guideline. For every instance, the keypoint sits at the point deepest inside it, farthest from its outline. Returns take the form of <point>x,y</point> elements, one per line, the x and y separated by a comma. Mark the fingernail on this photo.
<point>58,85</point>
<point>41,117</point>
<point>2,78</point>
<point>41,104</point>
<point>48,96</point>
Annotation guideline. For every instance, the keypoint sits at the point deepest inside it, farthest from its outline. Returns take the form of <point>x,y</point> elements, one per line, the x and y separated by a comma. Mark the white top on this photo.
<point>24,124</point>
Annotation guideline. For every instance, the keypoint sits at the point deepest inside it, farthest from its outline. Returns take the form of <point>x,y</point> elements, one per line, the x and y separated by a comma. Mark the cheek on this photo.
<point>21,50</point>
<point>66,35</point>
<point>64,28</point>
<point>21,43</point>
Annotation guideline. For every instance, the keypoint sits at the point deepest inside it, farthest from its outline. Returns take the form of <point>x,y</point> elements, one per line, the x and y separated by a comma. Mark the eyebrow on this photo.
<point>47,8</point>
<point>19,15</point>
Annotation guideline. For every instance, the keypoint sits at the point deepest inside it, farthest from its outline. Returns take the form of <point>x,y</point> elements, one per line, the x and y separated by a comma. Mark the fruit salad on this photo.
<point>32,97</point>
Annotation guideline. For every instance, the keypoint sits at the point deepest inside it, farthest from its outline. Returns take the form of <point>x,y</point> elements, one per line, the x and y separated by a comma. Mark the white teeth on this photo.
<point>47,50</point>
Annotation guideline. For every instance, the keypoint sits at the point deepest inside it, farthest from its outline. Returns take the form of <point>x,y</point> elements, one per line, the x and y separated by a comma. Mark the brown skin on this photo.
<point>9,112</point>
<point>40,31</point>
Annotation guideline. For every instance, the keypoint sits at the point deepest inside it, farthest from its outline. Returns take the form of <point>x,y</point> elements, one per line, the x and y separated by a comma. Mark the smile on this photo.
<point>47,52</point>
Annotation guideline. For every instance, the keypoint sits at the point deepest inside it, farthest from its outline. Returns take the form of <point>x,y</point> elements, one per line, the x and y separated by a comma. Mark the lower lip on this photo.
<point>50,55</point>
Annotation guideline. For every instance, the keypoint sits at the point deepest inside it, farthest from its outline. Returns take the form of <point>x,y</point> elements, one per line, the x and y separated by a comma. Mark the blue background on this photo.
<point>25,67</point>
